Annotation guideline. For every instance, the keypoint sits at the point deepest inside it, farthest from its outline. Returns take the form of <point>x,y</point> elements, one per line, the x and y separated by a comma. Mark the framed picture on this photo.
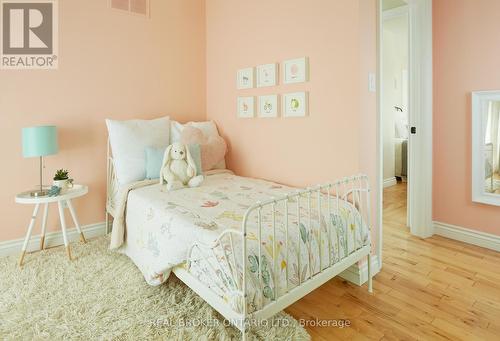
<point>244,79</point>
<point>267,75</point>
<point>268,106</point>
<point>246,107</point>
<point>296,70</point>
<point>295,104</point>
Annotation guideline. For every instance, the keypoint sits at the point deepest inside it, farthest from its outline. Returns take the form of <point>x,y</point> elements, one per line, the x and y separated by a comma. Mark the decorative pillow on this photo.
<point>175,131</point>
<point>129,140</point>
<point>213,148</point>
<point>195,151</point>
<point>207,127</point>
<point>154,160</point>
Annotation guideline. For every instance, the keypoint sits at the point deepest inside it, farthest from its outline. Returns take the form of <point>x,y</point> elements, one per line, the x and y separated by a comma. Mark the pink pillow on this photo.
<point>213,148</point>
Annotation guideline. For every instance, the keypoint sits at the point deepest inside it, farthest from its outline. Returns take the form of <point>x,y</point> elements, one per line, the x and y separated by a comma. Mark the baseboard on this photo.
<point>486,240</point>
<point>390,182</point>
<point>358,274</point>
<point>52,239</point>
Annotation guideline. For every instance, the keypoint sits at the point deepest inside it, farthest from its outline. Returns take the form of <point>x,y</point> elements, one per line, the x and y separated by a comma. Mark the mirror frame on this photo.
<point>479,101</point>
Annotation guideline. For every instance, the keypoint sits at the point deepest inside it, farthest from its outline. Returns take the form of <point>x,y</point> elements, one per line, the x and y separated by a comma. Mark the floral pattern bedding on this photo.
<point>162,227</point>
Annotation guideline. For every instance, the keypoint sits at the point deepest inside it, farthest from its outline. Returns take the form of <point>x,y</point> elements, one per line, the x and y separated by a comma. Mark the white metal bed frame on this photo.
<point>354,189</point>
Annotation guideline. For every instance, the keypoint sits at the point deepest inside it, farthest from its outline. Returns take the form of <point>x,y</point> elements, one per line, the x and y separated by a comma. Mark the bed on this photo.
<point>248,247</point>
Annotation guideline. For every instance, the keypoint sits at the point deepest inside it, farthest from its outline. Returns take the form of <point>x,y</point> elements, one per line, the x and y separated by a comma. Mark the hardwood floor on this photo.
<point>428,289</point>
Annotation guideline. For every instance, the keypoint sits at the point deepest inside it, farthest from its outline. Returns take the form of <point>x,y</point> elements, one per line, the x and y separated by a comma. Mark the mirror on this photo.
<point>486,147</point>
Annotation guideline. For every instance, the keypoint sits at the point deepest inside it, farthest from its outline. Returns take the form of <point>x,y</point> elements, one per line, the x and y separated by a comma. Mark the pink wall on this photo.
<point>112,65</point>
<point>300,151</point>
<point>125,67</point>
<point>368,147</point>
<point>466,55</point>
<point>339,37</point>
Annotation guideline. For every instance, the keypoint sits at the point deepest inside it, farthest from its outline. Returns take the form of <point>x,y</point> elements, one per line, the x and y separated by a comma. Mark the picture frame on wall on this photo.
<point>246,107</point>
<point>268,106</point>
<point>267,75</point>
<point>245,78</point>
<point>296,104</point>
<point>296,70</point>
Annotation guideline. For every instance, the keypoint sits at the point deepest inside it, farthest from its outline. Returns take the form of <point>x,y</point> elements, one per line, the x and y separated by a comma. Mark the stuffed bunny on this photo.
<point>178,168</point>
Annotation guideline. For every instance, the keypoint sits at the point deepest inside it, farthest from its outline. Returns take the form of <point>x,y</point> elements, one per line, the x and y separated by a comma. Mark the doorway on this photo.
<point>416,84</point>
<point>395,109</point>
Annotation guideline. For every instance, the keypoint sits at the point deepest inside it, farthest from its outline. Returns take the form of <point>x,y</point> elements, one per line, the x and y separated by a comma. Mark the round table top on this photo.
<point>74,192</point>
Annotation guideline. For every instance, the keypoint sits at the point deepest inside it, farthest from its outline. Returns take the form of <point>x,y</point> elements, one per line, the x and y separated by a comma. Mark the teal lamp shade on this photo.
<point>39,141</point>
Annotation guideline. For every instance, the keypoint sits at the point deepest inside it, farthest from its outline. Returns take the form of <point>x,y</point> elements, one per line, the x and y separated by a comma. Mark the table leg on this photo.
<point>28,234</point>
<point>44,226</point>
<point>63,227</point>
<point>75,220</point>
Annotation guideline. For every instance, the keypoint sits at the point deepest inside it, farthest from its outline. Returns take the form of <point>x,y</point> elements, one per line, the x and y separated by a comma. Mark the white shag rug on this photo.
<point>102,295</point>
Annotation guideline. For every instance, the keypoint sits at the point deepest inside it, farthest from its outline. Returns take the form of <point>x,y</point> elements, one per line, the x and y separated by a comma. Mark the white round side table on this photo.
<point>25,198</point>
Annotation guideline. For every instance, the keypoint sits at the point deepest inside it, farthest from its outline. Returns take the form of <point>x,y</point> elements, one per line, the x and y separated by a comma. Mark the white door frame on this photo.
<point>420,117</point>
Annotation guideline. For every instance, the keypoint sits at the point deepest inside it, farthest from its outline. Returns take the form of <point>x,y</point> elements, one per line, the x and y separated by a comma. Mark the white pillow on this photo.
<point>129,140</point>
<point>175,131</point>
<point>207,127</point>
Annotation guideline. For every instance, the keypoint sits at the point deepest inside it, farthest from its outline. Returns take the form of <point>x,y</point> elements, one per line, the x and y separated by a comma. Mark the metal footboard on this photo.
<point>233,274</point>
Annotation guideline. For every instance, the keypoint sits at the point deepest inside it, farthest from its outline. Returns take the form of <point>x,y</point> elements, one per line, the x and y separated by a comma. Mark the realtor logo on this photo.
<point>29,34</point>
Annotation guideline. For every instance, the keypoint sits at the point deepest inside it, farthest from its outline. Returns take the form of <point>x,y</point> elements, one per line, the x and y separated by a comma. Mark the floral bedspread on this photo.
<point>162,227</point>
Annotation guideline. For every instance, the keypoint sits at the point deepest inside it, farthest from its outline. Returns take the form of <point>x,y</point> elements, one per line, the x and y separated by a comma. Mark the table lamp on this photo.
<point>39,142</point>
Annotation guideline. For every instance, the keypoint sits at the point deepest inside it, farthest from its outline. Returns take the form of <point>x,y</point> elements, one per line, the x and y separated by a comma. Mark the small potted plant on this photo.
<point>62,180</point>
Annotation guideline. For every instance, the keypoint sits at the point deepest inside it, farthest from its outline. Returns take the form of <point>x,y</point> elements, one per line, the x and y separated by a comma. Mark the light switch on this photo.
<point>372,82</point>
